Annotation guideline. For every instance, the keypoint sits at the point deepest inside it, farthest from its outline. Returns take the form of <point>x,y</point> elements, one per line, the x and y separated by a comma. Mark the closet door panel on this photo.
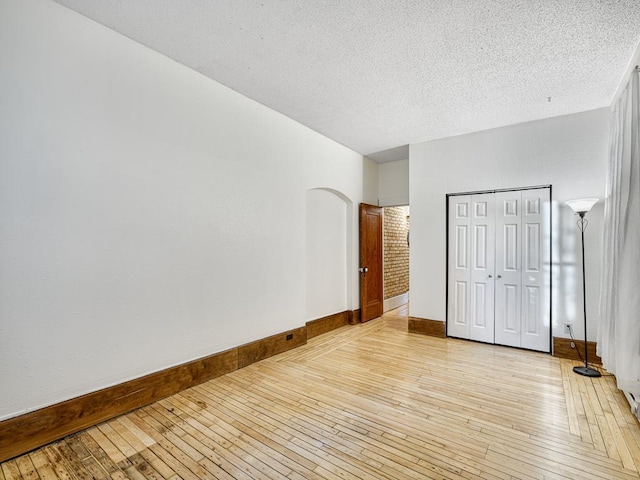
<point>482,268</point>
<point>459,266</point>
<point>535,332</point>
<point>508,295</point>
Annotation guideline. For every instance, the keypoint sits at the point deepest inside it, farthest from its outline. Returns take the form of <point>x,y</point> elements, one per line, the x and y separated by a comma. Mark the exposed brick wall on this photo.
<point>396,251</point>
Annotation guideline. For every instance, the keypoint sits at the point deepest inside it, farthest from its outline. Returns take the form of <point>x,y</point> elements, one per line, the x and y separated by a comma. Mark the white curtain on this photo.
<point>619,315</point>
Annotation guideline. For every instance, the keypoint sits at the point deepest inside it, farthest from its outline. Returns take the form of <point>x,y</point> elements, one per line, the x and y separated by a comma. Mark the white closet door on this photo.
<point>459,266</point>
<point>499,268</point>
<point>508,268</point>
<point>481,313</point>
<point>535,270</point>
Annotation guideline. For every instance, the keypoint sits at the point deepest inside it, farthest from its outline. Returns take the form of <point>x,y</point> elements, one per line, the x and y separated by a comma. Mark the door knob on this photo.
<point>364,270</point>
<point>490,276</point>
<point>499,276</point>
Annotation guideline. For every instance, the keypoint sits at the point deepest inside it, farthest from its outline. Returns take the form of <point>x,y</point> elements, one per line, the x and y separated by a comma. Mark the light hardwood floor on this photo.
<point>367,401</point>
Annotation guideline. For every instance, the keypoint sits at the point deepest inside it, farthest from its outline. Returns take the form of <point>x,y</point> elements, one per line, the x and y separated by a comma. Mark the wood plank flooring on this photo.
<point>369,401</point>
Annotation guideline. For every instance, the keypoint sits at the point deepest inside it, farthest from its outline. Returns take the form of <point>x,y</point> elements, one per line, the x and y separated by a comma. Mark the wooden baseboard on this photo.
<point>326,324</point>
<point>424,326</point>
<point>21,434</point>
<point>32,430</point>
<point>267,347</point>
<point>562,349</point>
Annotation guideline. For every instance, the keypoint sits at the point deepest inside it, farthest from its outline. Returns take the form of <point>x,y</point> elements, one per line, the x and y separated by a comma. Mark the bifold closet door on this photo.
<point>498,290</point>
<point>522,299</point>
<point>471,264</point>
<point>508,268</point>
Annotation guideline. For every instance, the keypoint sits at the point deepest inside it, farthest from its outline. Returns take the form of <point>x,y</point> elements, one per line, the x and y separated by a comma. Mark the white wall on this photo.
<point>386,184</point>
<point>369,181</point>
<point>567,152</point>
<point>327,268</point>
<point>149,215</point>
<point>393,183</point>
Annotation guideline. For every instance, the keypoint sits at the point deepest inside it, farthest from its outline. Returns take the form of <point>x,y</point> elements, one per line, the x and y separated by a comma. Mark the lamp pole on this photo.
<point>586,371</point>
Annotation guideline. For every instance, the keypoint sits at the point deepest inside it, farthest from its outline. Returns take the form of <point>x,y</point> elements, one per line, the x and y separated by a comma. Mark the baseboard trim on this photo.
<point>395,302</point>
<point>19,435</point>
<point>267,347</point>
<point>326,324</point>
<point>562,349</point>
<point>425,326</point>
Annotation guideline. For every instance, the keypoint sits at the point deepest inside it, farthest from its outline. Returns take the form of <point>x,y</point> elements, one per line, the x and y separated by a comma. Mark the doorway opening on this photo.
<point>396,245</point>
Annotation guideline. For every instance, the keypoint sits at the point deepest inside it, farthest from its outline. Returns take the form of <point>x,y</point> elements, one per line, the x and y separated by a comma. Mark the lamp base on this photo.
<point>587,372</point>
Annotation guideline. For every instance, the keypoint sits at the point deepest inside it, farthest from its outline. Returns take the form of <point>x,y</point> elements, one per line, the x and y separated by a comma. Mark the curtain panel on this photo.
<point>619,311</point>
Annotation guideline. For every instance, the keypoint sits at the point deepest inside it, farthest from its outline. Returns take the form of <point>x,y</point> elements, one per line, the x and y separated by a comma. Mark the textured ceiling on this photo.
<point>376,74</point>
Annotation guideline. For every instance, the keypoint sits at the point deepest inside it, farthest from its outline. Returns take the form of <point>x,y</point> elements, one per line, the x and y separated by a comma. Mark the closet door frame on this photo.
<point>550,253</point>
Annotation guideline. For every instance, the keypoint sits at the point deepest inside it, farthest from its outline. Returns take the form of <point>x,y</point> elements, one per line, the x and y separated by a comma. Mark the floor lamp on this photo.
<point>581,207</point>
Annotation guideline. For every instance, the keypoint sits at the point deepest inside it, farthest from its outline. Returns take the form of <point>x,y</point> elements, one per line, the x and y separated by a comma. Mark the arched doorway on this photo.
<point>328,253</point>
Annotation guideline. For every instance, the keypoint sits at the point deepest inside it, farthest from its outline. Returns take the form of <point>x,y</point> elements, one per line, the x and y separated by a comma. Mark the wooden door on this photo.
<point>371,275</point>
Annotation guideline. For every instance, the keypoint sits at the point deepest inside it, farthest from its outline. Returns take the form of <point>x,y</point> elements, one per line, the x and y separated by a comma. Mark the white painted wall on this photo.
<point>327,267</point>
<point>568,152</point>
<point>386,184</point>
<point>393,183</point>
<point>369,181</point>
<point>148,216</point>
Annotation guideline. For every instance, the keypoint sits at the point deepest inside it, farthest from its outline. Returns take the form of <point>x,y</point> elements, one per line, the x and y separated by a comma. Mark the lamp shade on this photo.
<point>582,205</point>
